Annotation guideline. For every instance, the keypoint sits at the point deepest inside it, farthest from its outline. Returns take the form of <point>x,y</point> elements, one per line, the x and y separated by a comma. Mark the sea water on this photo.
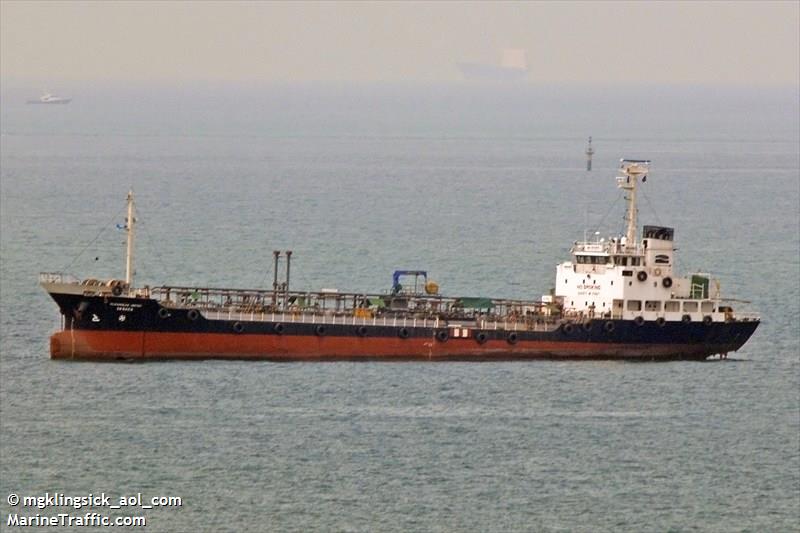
<point>485,188</point>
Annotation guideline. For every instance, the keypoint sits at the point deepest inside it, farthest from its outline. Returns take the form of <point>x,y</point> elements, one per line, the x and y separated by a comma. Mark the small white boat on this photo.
<point>48,98</point>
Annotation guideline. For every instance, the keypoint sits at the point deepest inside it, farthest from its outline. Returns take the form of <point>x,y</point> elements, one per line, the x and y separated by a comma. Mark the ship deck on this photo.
<point>402,309</point>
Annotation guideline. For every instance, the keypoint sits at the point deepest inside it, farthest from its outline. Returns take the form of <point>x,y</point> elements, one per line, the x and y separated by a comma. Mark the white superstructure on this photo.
<point>626,278</point>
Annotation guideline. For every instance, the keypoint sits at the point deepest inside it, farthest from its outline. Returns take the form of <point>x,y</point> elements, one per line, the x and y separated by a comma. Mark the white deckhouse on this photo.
<point>624,278</point>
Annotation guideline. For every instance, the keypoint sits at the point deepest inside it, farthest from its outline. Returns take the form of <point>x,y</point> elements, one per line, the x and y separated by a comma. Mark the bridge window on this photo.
<point>628,273</point>
<point>634,305</point>
<point>707,307</point>
<point>592,259</point>
<point>690,307</point>
<point>662,259</point>
<point>672,307</point>
<point>636,261</point>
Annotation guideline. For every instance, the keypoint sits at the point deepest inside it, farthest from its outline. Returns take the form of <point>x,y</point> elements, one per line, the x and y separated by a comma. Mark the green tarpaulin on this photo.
<point>377,302</point>
<point>475,303</point>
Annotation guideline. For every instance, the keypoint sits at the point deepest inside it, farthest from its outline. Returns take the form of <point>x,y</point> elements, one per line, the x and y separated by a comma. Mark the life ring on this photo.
<point>442,335</point>
<point>163,313</point>
<point>319,331</point>
<point>639,321</point>
<point>657,271</point>
<point>116,290</point>
<point>707,320</point>
<point>661,322</point>
<point>403,333</point>
<point>667,282</point>
<point>587,326</point>
<point>481,337</point>
<point>279,328</point>
<point>609,326</point>
<point>566,328</point>
<point>642,275</point>
<point>193,314</point>
<point>686,319</point>
<point>238,327</point>
<point>361,331</point>
<point>512,337</point>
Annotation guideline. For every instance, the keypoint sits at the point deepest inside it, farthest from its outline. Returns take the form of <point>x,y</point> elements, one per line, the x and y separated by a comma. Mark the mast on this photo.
<point>631,170</point>
<point>129,229</point>
<point>589,153</point>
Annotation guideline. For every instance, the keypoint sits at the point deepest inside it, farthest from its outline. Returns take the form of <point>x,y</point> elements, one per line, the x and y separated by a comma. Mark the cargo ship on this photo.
<point>615,298</point>
<point>512,68</point>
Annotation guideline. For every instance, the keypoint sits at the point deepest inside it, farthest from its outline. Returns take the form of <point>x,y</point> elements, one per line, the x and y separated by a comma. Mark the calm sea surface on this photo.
<point>483,187</point>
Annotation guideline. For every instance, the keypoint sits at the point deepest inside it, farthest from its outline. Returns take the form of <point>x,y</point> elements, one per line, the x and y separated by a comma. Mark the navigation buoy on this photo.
<point>589,154</point>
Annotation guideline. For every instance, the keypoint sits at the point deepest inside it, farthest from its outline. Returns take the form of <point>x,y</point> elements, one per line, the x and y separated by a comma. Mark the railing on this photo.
<point>350,305</point>
<point>393,321</point>
<point>57,277</point>
<point>609,247</point>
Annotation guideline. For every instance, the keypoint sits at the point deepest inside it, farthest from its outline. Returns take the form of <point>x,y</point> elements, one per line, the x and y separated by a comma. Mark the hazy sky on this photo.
<point>597,42</point>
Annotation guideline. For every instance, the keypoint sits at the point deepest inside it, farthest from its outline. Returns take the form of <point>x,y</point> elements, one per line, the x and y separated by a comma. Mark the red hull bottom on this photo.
<point>115,345</point>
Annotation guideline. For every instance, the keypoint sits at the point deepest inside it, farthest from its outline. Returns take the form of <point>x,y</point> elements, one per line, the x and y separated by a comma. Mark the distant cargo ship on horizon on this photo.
<point>512,68</point>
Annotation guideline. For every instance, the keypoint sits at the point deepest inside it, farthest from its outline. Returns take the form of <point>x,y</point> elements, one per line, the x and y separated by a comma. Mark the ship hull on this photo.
<point>51,102</point>
<point>121,346</point>
<point>492,73</point>
<point>141,329</point>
